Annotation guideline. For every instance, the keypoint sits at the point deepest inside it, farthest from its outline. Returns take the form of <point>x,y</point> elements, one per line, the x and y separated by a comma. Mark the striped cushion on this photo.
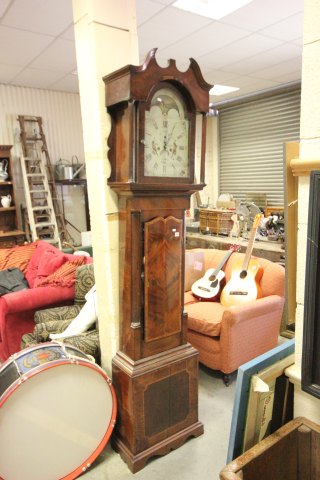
<point>17,256</point>
<point>65,275</point>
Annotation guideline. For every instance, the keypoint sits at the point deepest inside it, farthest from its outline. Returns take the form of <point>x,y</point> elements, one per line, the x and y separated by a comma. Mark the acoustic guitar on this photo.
<point>209,286</point>
<point>243,285</point>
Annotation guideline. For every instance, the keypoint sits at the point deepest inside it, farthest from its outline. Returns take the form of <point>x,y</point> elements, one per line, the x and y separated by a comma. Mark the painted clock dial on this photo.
<point>166,138</point>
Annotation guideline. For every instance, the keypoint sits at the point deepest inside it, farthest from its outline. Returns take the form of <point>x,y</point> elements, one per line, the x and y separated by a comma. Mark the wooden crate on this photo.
<point>215,221</point>
<point>290,453</point>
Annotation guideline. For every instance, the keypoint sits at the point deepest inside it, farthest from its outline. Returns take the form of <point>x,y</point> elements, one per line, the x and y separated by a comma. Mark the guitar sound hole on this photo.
<point>243,274</point>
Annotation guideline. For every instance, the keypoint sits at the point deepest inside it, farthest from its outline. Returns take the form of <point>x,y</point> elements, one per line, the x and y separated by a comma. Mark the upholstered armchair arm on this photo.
<point>57,314</point>
<point>37,298</point>
<point>250,329</point>
<point>42,331</point>
<point>84,282</point>
<point>17,311</point>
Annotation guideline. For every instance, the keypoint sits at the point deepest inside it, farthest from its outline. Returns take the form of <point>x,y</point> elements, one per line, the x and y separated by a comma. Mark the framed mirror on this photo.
<point>310,375</point>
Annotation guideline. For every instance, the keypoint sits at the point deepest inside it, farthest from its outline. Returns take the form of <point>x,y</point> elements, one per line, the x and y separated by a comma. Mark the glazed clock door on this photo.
<point>163,277</point>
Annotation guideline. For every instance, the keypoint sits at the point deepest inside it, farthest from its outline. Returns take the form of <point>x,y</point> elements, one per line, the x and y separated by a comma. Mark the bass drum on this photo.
<point>57,412</point>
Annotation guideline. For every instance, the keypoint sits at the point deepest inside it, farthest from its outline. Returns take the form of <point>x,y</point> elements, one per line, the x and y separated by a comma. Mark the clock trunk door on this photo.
<point>163,277</point>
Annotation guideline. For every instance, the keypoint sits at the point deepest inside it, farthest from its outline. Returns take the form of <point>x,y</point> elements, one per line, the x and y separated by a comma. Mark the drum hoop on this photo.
<point>67,361</point>
<point>54,343</point>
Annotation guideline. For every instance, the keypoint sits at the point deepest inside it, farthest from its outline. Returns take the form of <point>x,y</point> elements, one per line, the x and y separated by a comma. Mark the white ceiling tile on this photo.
<point>147,9</point>
<point>213,36</point>
<point>59,56</point>
<point>174,19</point>
<point>19,47</point>
<point>40,16</point>
<point>165,2</point>
<point>243,92</point>
<point>241,81</point>
<point>163,30</point>
<point>251,47</point>
<point>262,13</point>
<point>286,30</point>
<point>260,86</point>
<point>67,84</point>
<point>219,77</point>
<point>148,40</point>
<point>283,68</point>
<point>3,6</point>
<point>246,47</point>
<point>8,72</point>
<point>68,34</point>
<point>298,41</point>
<point>31,77</point>
<point>265,59</point>
<point>289,77</point>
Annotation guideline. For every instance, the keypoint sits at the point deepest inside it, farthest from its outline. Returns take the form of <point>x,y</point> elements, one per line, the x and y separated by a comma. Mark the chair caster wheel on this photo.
<point>226,380</point>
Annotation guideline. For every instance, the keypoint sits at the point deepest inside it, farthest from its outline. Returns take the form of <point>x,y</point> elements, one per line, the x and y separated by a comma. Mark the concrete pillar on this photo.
<point>106,39</point>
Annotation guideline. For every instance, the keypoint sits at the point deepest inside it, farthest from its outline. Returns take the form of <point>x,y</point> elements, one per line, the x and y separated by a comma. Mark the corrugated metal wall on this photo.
<point>252,136</point>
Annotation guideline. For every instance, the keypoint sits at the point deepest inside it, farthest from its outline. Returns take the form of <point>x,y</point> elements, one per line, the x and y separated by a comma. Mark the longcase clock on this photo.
<point>152,153</point>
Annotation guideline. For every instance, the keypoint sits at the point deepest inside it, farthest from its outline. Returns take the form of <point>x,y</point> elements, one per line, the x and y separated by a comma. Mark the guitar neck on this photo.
<point>223,261</point>
<point>247,256</point>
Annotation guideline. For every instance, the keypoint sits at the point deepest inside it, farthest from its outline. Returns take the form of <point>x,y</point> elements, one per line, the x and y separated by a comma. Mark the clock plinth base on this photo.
<point>157,404</point>
<point>138,462</point>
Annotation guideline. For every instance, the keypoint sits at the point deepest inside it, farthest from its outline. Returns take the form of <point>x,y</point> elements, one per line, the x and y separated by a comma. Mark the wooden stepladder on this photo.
<point>45,216</point>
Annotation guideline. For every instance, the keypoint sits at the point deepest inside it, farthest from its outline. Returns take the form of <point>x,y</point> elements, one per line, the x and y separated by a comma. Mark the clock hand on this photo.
<point>165,143</point>
<point>154,148</point>
<point>170,136</point>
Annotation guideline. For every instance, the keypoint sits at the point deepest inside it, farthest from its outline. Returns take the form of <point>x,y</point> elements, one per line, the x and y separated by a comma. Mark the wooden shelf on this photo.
<point>8,216</point>
<point>9,209</point>
<point>11,233</point>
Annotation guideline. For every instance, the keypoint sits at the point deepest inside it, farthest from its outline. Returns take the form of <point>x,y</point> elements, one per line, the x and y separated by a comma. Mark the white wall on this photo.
<point>62,124</point>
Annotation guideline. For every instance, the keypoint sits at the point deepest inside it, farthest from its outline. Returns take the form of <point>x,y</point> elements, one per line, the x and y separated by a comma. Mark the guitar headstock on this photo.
<point>257,220</point>
<point>235,247</point>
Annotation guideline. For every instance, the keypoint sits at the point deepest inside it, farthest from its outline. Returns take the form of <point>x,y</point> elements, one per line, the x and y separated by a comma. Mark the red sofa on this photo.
<point>51,276</point>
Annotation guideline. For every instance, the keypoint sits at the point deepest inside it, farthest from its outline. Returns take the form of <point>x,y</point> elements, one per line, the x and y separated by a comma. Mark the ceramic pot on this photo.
<point>6,201</point>
<point>3,176</point>
<point>3,170</point>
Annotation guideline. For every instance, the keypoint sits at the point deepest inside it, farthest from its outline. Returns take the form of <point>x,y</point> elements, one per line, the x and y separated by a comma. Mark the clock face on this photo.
<point>166,140</point>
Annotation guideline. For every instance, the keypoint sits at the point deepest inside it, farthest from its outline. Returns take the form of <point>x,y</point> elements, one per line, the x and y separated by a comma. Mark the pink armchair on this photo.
<point>227,337</point>
<point>17,309</point>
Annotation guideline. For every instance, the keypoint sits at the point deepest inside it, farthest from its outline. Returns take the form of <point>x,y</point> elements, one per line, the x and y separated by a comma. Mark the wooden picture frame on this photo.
<point>269,402</point>
<point>245,373</point>
<point>310,372</point>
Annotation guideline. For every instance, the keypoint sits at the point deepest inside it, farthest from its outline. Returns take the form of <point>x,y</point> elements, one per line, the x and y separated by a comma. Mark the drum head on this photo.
<point>56,422</point>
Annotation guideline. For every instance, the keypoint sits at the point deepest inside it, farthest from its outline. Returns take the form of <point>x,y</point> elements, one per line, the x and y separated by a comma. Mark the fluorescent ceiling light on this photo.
<point>222,89</point>
<point>214,9</point>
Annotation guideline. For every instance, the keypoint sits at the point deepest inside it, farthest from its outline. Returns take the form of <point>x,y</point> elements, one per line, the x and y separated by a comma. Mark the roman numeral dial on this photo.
<point>166,140</point>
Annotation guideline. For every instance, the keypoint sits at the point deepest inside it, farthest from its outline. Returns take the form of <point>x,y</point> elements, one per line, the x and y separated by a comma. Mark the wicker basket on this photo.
<point>215,221</point>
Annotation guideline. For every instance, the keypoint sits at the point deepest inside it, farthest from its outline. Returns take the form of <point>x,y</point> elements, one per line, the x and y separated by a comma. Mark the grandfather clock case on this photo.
<point>152,153</point>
